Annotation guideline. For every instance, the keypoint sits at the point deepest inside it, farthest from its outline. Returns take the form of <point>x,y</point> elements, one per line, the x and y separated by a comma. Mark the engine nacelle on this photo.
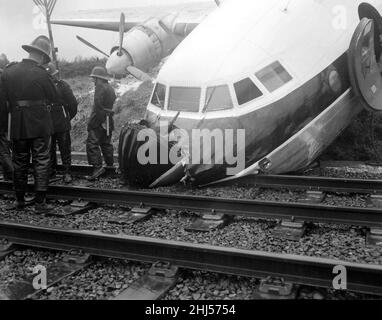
<point>145,46</point>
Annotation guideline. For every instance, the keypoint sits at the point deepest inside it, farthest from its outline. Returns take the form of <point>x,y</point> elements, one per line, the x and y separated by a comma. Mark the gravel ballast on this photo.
<point>338,242</point>
<point>105,278</point>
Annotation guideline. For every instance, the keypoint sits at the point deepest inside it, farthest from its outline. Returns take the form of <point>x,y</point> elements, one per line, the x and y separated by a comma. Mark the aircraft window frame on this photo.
<point>257,96</point>
<point>197,110</point>
<point>206,104</point>
<point>163,107</point>
<point>279,79</point>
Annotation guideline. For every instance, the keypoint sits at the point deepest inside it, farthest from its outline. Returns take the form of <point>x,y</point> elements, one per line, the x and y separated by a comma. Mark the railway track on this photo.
<point>324,184</point>
<point>292,182</point>
<point>81,157</point>
<point>313,183</point>
<point>86,170</point>
<point>301,270</point>
<point>369,217</point>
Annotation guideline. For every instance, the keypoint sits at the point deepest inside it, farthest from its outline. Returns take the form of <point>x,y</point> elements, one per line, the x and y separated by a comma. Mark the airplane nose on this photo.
<point>116,65</point>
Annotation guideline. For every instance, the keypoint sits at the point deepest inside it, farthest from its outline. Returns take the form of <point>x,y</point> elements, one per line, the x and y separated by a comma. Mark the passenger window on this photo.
<point>274,76</point>
<point>218,98</point>
<point>184,99</point>
<point>159,96</point>
<point>246,91</point>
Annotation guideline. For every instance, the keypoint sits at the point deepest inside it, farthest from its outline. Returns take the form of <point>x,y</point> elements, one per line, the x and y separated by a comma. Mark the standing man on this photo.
<point>101,124</point>
<point>5,152</point>
<point>63,111</point>
<point>29,91</point>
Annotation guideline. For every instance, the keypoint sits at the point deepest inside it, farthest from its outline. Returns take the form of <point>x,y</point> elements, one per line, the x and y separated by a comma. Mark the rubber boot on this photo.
<point>98,172</point>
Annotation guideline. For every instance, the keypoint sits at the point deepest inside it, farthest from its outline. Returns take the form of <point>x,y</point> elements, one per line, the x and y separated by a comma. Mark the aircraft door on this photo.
<point>364,71</point>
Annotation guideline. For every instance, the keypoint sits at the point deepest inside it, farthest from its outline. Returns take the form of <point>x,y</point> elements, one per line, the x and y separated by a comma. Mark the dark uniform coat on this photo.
<point>65,108</point>
<point>3,110</point>
<point>29,90</point>
<point>5,155</point>
<point>104,98</point>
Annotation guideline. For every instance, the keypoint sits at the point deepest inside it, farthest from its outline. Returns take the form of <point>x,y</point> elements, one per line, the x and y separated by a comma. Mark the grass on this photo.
<point>79,67</point>
<point>355,144</point>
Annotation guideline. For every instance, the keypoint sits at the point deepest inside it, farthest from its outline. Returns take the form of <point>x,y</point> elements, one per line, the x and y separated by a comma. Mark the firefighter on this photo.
<point>5,152</point>
<point>29,91</point>
<point>63,111</point>
<point>101,124</point>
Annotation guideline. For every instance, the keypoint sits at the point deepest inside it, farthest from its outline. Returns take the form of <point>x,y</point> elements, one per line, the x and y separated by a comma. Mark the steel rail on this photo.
<point>281,181</point>
<point>82,157</point>
<point>336,185</point>
<point>297,269</point>
<point>310,183</point>
<point>371,217</point>
<point>85,170</point>
<point>328,184</point>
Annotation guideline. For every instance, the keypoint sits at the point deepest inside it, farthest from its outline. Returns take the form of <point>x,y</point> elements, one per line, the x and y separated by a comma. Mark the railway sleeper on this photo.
<point>160,279</point>
<point>209,222</point>
<point>42,278</point>
<point>313,197</point>
<point>376,200</point>
<point>374,237</point>
<point>134,215</point>
<point>6,248</point>
<point>75,208</point>
<point>275,289</point>
<point>290,230</point>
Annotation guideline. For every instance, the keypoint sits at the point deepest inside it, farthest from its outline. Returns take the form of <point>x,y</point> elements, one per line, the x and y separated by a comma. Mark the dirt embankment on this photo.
<point>132,99</point>
<point>356,142</point>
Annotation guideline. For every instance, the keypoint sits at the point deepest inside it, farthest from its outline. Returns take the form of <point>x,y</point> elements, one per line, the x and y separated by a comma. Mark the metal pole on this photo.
<point>9,123</point>
<point>48,14</point>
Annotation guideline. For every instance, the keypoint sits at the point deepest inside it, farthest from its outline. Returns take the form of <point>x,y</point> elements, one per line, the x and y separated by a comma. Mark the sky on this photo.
<point>20,23</point>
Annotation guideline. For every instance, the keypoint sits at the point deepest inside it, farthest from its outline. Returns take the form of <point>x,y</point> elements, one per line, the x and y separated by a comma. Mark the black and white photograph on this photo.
<point>191,154</point>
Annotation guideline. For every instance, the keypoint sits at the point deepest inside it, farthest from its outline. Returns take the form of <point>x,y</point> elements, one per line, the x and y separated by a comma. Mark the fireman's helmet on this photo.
<point>41,45</point>
<point>100,73</point>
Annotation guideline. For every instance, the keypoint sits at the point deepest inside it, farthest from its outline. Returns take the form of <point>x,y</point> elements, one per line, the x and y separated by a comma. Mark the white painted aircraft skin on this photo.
<point>242,37</point>
<point>235,55</point>
<point>309,142</point>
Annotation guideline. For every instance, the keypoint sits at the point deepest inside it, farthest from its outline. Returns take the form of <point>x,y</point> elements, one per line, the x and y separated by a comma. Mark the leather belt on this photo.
<point>31,103</point>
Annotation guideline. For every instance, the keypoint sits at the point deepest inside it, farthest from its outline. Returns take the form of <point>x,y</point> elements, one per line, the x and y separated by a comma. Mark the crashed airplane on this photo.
<point>292,74</point>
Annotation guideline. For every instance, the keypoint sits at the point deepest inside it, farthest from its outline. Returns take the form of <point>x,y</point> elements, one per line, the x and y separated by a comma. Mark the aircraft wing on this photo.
<point>184,29</point>
<point>96,24</point>
<point>189,17</point>
<point>181,28</point>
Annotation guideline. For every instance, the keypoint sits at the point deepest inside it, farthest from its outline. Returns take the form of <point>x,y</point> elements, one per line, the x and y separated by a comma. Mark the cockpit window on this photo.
<point>184,99</point>
<point>274,76</point>
<point>218,98</point>
<point>159,96</point>
<point>246,91</point>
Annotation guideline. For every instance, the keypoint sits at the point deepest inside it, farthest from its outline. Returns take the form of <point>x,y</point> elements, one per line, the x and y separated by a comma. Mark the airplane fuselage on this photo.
<point>287,75</point>
<point>296,57</point>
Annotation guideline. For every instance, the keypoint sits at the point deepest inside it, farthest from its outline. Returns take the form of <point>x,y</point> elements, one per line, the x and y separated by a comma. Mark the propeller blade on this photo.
<point>164,27</point>
<point>139,74</point>
<point>92,46</point>
<point>121,33</point>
